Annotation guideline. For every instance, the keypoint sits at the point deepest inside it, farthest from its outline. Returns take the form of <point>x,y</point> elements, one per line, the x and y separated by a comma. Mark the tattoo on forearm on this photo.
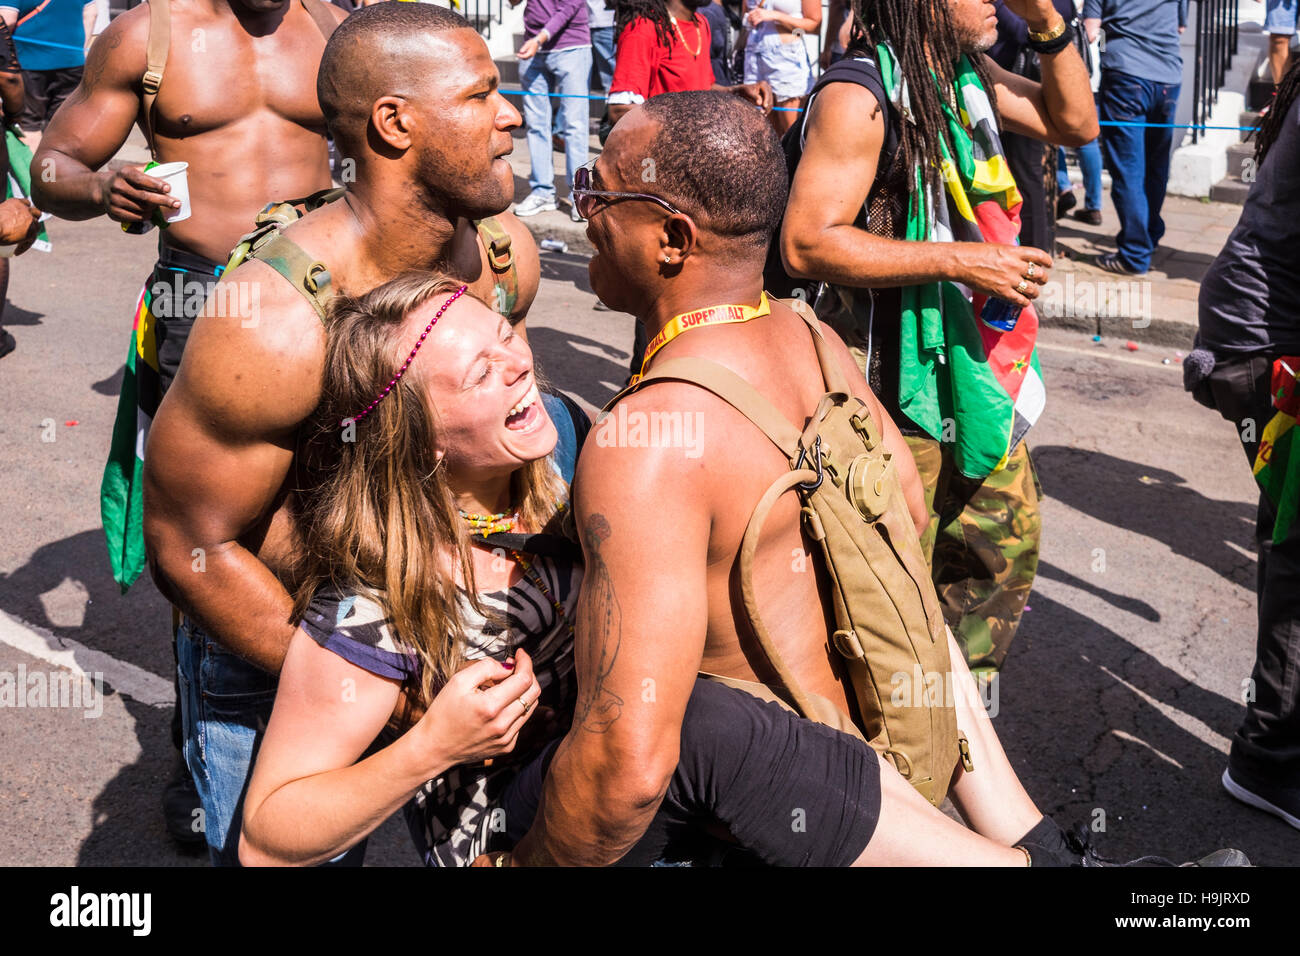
<point>600,633</point>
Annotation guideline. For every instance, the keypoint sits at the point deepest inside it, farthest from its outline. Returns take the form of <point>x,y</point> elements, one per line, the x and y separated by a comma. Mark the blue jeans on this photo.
<point>559,71</point>
<point>1138,159</point>
<point>225,705</point>
<point>1280,17</point>
<point>1090,166</point>
<point>602,57</point>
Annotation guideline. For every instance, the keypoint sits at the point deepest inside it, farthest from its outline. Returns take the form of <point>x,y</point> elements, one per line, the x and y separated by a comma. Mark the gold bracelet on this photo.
<point>1050,35</point>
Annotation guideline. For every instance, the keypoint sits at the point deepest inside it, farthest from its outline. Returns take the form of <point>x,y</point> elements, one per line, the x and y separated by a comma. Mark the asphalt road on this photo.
<point>1116,704</point>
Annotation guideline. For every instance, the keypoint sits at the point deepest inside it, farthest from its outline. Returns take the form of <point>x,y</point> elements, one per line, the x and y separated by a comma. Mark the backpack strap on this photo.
<point>268,243</point>
<point>751,403</point>
<point>501,258</point>
<point>39,7</point>
<point>733,390</point>
<point>324,22</point>
<point>748,551</point>
<point>309,276</point>
<point>832,371</point>
<point>160,38</point>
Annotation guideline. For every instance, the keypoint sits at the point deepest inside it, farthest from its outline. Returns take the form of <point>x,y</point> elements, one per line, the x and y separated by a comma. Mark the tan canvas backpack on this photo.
<point>887,616</point>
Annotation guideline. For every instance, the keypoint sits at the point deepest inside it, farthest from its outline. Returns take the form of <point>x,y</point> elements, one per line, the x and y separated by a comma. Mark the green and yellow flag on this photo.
<point>1277,463</point>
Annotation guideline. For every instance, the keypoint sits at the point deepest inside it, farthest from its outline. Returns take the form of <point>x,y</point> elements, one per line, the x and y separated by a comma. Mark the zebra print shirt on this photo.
<point>451,817</point>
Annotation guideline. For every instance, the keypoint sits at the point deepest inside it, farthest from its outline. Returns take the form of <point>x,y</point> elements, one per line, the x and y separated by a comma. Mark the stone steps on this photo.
<point>1235,186</point>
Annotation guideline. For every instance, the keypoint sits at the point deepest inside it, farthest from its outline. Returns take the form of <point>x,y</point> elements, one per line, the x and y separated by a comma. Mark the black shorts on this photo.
<point>45,91</point>
<point>178,285</point>
<point>789,791</point>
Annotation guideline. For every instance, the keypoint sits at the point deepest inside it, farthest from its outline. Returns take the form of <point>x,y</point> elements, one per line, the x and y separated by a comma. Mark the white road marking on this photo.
<point>1244,552</point>
<point>1203,731</point>
<point>135,682</point>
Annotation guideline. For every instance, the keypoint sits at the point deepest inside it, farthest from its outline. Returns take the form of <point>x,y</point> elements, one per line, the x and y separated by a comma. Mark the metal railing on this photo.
<point>482,14</point>
<point>1216,44</point>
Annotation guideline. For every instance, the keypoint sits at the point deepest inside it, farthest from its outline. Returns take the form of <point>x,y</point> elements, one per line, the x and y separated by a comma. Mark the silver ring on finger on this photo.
<point>1022,286</point>
<point>526,704</point>
<point>1029,273</point>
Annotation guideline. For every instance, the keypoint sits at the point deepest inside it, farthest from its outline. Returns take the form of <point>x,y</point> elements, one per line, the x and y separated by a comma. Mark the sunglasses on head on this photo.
<point>584,197</point>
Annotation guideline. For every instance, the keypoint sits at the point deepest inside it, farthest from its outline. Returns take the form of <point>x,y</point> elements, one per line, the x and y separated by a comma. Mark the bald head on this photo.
<point>380,50</point>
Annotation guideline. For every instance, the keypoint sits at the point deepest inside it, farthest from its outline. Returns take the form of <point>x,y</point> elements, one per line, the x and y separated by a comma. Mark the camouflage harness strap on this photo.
<point>268,243</point>
<point>501,258</point>
<point>311,277</point>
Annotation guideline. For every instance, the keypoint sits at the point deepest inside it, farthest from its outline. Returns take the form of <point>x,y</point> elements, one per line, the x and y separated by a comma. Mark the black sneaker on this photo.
<point>180,801</point>
<point>1076,849</point>
<point>1282,802</point>
<point>7,343</point>
<point>1111,262</point>
<point>1091,216</point>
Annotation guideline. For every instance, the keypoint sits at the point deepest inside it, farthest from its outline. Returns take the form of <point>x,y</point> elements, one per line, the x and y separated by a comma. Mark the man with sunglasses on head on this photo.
<point>411,99</point>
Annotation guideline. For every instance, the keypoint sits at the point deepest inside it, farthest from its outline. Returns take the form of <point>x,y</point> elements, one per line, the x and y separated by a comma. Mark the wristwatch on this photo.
<point>1051,34</point>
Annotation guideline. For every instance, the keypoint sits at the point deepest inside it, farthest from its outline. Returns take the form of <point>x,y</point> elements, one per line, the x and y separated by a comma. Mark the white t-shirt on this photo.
<point>598,15</point>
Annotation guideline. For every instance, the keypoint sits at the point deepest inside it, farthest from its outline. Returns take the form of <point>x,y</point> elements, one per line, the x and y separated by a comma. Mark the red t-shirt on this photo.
<point>644,66</point>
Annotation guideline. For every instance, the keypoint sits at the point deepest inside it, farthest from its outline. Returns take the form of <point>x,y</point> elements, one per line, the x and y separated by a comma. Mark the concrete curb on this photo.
<point>1150,331</point>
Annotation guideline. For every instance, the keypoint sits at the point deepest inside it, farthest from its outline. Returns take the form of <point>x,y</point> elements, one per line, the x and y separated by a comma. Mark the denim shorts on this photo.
<point>1280,17</point>
<point>785,66</point>
<point>225,704</point>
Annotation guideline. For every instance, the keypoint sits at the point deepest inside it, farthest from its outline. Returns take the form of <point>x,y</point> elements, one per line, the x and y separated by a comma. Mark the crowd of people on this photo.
<point>409,576</point>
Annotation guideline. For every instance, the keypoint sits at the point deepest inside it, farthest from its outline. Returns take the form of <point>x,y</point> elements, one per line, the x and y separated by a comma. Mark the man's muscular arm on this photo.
<point>640,637</point>
<point>820,241</point>
<point>1060,109</point>
<point>219,450</point>
<point>91,127</point>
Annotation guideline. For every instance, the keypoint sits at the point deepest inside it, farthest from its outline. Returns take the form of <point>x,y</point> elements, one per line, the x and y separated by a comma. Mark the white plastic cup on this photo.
<point>176,176</point>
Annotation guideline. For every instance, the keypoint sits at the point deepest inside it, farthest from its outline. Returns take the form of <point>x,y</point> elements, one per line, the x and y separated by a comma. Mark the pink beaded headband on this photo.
<point>407,364</point>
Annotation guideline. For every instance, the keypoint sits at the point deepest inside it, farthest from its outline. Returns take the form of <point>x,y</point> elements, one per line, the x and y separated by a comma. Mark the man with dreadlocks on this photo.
<point>1245,365</point>
<point>664,47</point>
<point>905,216</point>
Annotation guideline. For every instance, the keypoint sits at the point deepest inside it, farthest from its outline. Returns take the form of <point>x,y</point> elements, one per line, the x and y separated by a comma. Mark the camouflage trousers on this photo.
<point>982,544</point>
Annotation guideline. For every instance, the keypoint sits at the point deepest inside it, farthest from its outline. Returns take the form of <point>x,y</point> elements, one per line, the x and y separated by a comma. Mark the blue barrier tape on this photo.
<point>793,109</point>
<point>58,46</point>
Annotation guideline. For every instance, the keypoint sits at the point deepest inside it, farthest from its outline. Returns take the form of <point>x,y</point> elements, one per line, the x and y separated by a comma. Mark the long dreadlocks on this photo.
<point>656,11</point>
<point>926,48</point>
<point>1272,124</point>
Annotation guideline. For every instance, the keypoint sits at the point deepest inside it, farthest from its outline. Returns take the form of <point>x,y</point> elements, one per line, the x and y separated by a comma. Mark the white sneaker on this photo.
<point>574,214</point>
<point>535,203</point>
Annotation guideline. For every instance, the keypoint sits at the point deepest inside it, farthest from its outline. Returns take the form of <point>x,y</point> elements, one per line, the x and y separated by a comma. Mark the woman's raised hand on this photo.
<point>479,712</point>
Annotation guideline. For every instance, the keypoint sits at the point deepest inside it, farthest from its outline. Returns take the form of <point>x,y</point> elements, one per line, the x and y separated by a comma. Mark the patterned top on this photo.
<point>451,818</point>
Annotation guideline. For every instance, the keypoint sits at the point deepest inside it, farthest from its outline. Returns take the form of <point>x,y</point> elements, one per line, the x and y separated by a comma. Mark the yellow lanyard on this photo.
<point>711,315</point>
